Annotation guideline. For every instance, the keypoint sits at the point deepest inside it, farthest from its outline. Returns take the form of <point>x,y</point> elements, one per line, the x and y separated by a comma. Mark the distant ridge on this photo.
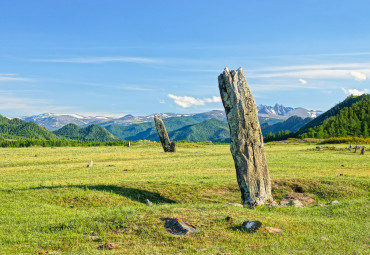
<point>267,114</point>
<point>90,133</point>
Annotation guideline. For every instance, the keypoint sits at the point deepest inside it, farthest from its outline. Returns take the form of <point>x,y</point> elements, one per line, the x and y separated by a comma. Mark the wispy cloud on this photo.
<point>355,92</point>
<point>186,101</point>
<point>303,81</point>
<point>13,103</point>
<point>100,60</point>
<point>356,71</point>
<point>10,77</point>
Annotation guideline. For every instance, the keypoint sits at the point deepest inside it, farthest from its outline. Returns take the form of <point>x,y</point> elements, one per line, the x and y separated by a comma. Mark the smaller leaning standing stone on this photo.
<point>167,145</point>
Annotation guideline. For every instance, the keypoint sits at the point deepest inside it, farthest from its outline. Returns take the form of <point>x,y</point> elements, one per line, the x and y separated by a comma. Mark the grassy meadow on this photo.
<point>50,200</point>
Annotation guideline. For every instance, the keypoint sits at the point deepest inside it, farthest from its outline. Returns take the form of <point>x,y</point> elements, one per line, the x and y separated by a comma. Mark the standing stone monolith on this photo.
<point>246,146</point>
<point>167,145</point>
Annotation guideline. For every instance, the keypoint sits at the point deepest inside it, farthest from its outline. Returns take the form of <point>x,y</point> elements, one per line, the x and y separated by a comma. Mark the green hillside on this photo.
<point>20,129</point>
<point>209,130</point>
<point>293,124</point>
<point>351,118</point>
<point>90,133</point>
<point>348,102</point>
<point>147,130</point>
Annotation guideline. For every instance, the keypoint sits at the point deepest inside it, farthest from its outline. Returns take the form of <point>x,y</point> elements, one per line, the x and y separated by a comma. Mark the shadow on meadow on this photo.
<point>134,194</point>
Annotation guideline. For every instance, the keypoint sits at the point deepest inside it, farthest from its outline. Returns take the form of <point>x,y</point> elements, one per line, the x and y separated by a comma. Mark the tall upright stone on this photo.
<point>247,146</point>
<point>167,145</point>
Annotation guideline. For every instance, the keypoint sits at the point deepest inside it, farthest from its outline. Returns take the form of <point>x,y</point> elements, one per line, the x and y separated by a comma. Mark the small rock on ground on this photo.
<point>109,246</point>
<point>333,202</point>
<point>273,230</point>
<point>324,238</point>
<point>178,227</point>
<point>251,226</point>
<point>235,204</point>
<point>90,164</point>
<point>148,202</point>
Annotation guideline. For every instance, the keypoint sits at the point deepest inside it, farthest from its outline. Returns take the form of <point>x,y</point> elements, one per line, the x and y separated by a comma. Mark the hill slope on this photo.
<point>347,119</point>
<point>20,129</point>
<point>332,112</point>
<point>147,130</point>
<point>90,133</point>
<point>209,130</point>
<point>293,124</point>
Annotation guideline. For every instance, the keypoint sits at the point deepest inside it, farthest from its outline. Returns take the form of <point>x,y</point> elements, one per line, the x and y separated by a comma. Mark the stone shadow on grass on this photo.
<point>138,195</point>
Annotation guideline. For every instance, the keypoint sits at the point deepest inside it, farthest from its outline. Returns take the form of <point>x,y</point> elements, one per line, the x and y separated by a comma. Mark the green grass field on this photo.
<point>53,202</point>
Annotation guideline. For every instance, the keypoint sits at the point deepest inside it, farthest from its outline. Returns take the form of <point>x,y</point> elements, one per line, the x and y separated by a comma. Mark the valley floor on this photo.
<point>51,202</point>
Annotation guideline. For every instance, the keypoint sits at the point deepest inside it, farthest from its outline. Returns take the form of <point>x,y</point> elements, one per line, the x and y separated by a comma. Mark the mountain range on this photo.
<point>348,118</point>
<point>267,114</point>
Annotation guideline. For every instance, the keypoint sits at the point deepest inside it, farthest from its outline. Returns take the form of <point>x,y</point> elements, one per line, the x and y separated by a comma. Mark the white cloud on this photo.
<point>186,101</point>
<point>355,92</point>
<point>99,60</point>
<point>302,81</point>
<point>358,75</point>
<point>356,71</point>
<point>9,77</point>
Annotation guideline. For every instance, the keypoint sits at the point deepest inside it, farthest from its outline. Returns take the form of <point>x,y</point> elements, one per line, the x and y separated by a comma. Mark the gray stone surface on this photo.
<point>90,164</point>
<point>235,204</point>
<point>247,145</point>
<point>148,202</point>
<point>251,226</point>
<point>178,227</point>
<point>167,145</point>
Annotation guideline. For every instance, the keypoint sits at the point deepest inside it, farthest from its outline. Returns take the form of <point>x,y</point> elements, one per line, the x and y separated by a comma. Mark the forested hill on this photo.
<point>89,133</point>
<point>348,102</point>
<point>351,118</point>
<point>20,129</point>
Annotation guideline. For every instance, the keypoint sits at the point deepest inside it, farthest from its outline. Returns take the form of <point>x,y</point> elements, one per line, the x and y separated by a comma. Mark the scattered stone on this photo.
<point>109,246</point>
<point>229,219</point>
<point>333,202</point>
<point>251,226</point>
<point>90,164</point>
<point>148,202</point>
<point>92,237</point>
<point>296,203</point>
<point>201,249</point>
<point>273,203</point>
<point>342,165</point>
<point>235,204</point>
<point>273,230</point>
<point>246,146</point>
<point>324,238</point>
<point>302,197</point>
<point>320,205</point>
<point>178,227</point>
<point>36,156</point>
<point>47,252</point>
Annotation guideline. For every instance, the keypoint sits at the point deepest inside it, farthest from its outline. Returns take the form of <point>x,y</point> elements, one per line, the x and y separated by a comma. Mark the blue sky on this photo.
<point>142,57</point>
